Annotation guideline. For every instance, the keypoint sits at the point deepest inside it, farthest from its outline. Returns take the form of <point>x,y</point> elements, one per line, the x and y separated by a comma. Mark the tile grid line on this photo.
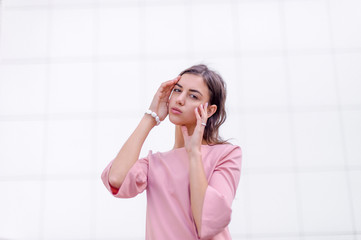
<point>238,62</point>
<point>127,57</point>
<point>95,122</point>
<point>121,4</point>
<point>46,126</point>
<point>142,67</point>
<point>1,24</point>
<point>298,194</point>
<point>341,123</point>
<point>142,46</point>
<point>189,19</point>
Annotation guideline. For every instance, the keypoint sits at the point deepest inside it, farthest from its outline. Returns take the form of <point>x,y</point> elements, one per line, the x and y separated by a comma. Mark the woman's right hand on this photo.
<point>159,104</point>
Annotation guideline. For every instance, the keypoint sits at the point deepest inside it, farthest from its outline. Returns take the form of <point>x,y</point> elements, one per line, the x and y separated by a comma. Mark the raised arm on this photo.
<point>129,153</point>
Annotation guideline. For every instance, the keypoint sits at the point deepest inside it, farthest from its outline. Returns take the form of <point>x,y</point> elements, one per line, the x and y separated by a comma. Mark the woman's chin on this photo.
<point>175,121</point>
<point>178,121</point>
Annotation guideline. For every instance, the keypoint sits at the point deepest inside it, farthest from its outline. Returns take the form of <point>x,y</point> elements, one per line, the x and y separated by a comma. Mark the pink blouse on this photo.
<point>165,177</point>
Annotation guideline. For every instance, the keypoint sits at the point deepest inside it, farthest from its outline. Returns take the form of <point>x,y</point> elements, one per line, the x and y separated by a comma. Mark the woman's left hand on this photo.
<point>193,143</point>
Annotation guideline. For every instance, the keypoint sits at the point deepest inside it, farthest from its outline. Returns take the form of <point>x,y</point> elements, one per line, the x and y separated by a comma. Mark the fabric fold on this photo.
<point>135,181</point>
<point>221,190</point>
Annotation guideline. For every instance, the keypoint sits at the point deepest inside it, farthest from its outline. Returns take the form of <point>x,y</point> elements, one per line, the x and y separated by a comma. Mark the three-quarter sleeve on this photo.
<point>221,190</point>
<point>134,182</point>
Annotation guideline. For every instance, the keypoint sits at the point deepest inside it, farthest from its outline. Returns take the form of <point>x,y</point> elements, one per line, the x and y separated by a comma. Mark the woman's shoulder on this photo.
<point>226,154</point>
<point>226,147</point>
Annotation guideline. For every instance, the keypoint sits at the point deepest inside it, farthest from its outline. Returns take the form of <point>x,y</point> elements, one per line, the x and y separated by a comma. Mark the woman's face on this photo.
<point>189,92</point>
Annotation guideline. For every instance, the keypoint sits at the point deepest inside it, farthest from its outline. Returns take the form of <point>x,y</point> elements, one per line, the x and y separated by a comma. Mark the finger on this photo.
<point>204,111</point>
<point>169,82</point>
<point>169,91</point>
<point>175,80</point>
<point>196,111</point>
<point>204,115</point>
<point>165,92</point>
<point>199,119</point>
<point>167,87</point>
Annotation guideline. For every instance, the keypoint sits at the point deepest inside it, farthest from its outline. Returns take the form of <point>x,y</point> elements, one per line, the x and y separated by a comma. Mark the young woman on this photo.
<point>190,188</point>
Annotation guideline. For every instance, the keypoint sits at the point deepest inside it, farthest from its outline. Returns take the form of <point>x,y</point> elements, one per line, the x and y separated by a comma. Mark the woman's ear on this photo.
<point>211,110</point>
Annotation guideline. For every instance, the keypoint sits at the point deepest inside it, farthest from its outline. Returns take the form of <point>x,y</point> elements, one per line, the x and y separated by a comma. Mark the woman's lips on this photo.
<point>176,111</point>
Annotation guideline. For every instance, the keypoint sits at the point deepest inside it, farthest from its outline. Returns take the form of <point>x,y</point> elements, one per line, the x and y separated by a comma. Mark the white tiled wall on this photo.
<point>77,75</point>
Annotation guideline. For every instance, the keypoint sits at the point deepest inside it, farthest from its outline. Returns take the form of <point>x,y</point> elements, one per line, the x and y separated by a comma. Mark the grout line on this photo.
<point>120,4</point>
<point>142,57</point>
<point>189,27</point>
<point>1,22</point>
<point>298,194</point>
<point>82,6</point>
<point>341,124</point>
<point>236,28</point>
<point>240,110</point>
<point>46,127</point>
<point>95,121</point>
<point>161,56</point>
<point>68,116</point>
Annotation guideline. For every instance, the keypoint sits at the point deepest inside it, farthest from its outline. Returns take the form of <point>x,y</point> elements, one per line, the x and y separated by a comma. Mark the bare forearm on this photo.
<point>129,153</point>
<point>198,186</point>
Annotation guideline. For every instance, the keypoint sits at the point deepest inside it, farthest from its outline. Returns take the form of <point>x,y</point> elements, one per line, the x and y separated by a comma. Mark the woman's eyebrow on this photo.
<point>191,90</point>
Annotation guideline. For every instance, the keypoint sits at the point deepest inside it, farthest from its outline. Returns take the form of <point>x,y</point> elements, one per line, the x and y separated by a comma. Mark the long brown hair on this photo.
<point>217,95</point>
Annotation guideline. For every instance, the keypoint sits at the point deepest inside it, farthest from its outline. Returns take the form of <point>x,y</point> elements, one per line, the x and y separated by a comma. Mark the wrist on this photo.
<point>194,153</point>
<point>153,115</point>
<point>149,120</point>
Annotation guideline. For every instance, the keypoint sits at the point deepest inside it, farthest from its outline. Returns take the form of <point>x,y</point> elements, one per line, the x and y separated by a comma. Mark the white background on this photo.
<point>77,75</point>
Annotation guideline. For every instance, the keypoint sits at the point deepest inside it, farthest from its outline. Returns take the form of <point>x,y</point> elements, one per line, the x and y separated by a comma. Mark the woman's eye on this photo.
<point>191,95</point>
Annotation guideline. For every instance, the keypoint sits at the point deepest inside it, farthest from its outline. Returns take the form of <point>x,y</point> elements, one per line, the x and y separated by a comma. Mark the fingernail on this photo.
<point>206,104</point>
<point>201,105</point>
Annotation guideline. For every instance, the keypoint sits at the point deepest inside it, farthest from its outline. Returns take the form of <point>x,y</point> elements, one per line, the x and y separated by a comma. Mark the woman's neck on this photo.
<point>179,141</point>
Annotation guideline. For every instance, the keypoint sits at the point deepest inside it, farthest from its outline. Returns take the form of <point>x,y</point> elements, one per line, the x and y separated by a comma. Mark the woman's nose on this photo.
<point>180,99</point>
